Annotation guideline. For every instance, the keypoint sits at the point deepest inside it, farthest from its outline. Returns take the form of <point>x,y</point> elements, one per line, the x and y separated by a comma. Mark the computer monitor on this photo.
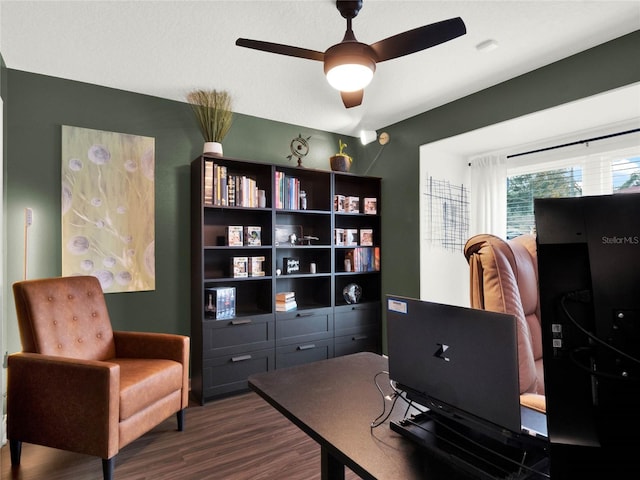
<point>589,277</point>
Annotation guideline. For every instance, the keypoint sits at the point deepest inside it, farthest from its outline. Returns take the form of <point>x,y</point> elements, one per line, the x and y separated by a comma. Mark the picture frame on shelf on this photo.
<point>285,233</point>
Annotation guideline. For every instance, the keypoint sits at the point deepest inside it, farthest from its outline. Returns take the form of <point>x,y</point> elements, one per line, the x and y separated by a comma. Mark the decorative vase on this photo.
<point>213,148</point>
<point>340,163</point>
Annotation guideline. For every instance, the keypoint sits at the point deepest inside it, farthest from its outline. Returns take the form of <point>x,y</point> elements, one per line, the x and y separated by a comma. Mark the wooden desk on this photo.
<point>334,402</point>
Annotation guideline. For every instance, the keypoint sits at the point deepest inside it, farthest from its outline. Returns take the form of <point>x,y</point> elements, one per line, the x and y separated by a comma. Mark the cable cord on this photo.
<point>584,296</point>
<point>376,421</point>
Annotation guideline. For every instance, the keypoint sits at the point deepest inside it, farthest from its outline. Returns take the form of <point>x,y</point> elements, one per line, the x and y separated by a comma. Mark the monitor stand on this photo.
<point>471,451</point>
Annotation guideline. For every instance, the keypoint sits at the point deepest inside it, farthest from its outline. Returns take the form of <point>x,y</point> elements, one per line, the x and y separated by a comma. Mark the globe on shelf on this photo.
<point>352,293</point>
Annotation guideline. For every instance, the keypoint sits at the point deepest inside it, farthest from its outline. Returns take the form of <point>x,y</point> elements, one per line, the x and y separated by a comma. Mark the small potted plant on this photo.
<point>212,109</point>
<point>341,162</point>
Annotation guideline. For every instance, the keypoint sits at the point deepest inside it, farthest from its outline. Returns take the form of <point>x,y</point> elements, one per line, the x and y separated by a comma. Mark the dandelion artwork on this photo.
<point>108,208</point>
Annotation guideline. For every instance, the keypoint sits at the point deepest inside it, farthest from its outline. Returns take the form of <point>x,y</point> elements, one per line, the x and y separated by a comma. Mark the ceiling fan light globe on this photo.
<point>349,77</point>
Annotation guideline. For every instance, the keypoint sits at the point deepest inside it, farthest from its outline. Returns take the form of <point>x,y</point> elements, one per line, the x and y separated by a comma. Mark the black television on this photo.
<point>588,252</point>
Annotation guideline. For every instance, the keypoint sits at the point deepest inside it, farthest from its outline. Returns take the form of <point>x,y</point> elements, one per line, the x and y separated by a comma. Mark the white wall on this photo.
<point>444,274</point>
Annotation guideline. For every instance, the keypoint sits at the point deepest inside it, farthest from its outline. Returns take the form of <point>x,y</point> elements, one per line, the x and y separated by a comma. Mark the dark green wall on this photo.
<point>605,67</point>
<point>38,105</point>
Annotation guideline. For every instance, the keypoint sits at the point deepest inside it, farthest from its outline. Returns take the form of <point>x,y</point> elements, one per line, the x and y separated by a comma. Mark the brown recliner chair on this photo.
<point>80,386</point>
<point>504,278</point>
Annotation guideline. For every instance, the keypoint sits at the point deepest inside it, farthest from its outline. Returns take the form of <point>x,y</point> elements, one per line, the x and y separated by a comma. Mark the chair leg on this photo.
<point>15,447</point>
<point>180,417</point>
<point>108,465</point>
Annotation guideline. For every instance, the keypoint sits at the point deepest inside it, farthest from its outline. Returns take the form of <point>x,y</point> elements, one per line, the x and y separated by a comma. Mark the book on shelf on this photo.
<point>240,267</point>
<point>222,188</point>
<point>252,235</point>
<point>284,296</point>
<point>287,191</point>
<point>364,259</point>
<point>208,183</point>
<point>286,301</point>
<point>286,306</point>
<point>234,235</point>
<point>220,302</point>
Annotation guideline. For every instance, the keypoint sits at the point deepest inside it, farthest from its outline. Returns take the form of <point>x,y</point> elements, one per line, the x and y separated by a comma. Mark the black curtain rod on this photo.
<point>574,143</point>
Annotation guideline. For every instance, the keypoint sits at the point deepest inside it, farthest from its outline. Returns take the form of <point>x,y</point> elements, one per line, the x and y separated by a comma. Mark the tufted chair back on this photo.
<point>504,278</point>
<point>65,319</point>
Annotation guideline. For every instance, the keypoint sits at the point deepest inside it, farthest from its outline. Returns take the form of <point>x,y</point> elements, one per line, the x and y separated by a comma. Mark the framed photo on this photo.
<point>284,234</point>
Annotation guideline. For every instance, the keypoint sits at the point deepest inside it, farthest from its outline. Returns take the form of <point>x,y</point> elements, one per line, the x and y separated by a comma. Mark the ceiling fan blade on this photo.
<point>280,49</point>
<point>419,39</point>
<point>352,99</point>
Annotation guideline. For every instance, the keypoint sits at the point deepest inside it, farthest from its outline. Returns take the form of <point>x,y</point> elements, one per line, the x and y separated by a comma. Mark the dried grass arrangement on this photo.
<point>213,112</point>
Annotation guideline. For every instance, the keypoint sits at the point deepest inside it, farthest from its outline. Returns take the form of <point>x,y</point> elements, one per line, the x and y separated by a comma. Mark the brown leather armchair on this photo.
<point>504,278</point>
<point>80,386</point>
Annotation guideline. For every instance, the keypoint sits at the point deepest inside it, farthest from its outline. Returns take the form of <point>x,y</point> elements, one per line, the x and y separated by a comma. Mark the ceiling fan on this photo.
<point>349,65</point>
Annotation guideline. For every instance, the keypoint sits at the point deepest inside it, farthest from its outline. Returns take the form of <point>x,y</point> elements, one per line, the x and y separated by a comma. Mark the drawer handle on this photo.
<point>304,315</point>
<point>358,308</point>
<point>359,337</point>
<point>241,358</point>
<point>246,321</point>
<point>309,346</point>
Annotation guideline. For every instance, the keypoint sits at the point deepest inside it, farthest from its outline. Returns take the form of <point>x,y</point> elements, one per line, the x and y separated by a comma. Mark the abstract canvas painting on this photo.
<point>108,208</point>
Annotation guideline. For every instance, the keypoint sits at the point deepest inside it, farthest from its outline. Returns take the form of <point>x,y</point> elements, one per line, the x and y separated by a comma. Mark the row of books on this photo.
<point>286,301</point>
<point>228,190</point>
<point>362,259</point>
<point>288,193</point>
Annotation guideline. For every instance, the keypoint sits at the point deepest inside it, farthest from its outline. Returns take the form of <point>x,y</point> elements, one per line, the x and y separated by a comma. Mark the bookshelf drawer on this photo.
<point>304,352</point>
<point>229,373</point>
<point>365,341</point>
<point>237,334</point>
<point>351,319</point>
<point>304,325</point>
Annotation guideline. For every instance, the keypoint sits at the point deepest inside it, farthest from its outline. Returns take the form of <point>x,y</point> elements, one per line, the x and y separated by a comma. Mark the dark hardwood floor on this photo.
<point>235,438</point>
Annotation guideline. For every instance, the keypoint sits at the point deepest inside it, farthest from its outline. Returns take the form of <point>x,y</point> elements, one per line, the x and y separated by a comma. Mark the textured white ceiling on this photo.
<point>165,48</point>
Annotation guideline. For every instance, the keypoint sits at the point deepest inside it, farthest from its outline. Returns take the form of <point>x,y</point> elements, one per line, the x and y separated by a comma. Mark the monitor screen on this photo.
<point>589,278</point>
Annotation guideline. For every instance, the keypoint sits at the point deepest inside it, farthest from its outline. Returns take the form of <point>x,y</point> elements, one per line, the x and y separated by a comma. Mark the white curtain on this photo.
<point>488,195</point>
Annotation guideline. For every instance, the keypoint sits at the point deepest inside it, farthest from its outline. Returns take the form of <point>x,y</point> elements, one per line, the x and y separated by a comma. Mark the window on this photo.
<point>604,172</point>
